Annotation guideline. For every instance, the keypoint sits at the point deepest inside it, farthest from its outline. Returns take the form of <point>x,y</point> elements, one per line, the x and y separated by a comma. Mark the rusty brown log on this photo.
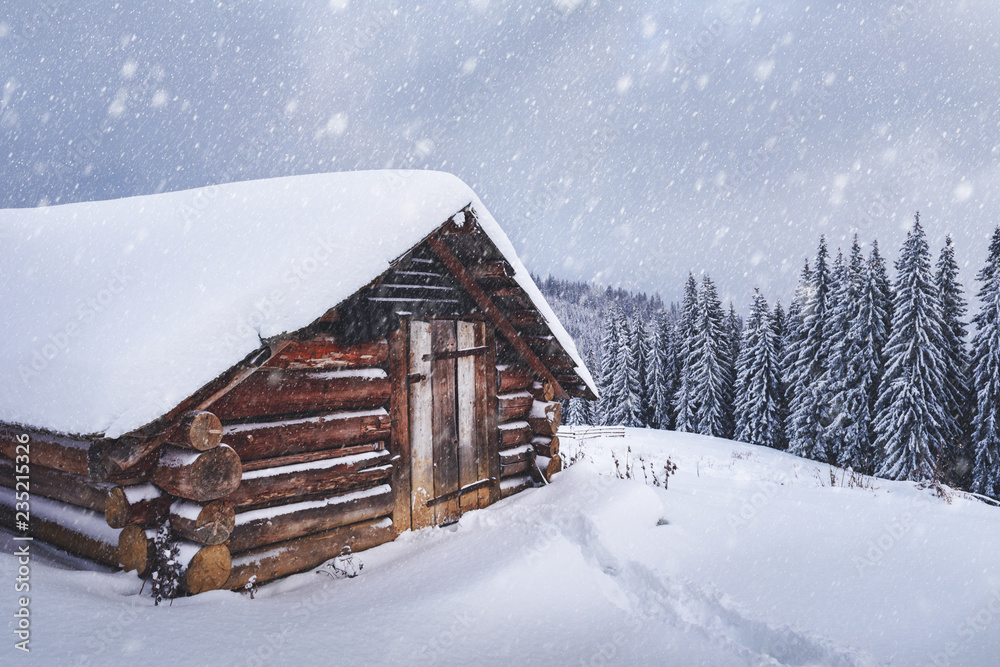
<point>514,434</point>
<point>138,505</point>
<point>260,440</point>
<point>309,457</point>
<point>54,451</point>
<point>204,568</point>
<point>77,490</point>
<point>135,548</point>
<point>327,353</point>
<point>515,406</point>
<point>209,523</point>
<point>545,418</point>
<point>258,528</point>
<point>274,393</point>
<point>545,445</point>
<point>513,377</point>
<point>307,552</point>
<point>542,391</point>
<point>512,485</point>
<point>491,270</point>
<point>197,430</point>
<point>200,476</point>
<point>76,530</point>
<point>300,482</point>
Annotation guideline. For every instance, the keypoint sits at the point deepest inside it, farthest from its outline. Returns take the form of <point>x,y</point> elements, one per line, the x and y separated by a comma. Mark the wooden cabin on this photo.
<point>402,370</point>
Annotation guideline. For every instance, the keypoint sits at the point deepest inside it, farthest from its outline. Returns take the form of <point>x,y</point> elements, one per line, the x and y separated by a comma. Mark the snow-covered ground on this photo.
<point>751,557</point>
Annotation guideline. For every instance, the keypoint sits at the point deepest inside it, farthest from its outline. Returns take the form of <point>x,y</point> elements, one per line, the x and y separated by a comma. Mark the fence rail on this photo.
<point>588,432</point>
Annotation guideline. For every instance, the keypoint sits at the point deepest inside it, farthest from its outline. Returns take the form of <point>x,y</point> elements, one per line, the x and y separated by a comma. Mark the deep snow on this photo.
<point>750,557</point>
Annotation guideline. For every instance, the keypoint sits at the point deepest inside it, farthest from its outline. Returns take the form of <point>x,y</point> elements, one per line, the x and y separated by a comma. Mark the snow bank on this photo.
<point>115,311</point>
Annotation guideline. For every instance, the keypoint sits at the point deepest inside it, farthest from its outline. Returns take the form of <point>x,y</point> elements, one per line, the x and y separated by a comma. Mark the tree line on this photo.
<point>863,372</point>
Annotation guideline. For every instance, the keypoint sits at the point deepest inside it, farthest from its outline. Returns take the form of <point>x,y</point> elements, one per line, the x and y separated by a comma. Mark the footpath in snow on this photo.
<point>751,557</point>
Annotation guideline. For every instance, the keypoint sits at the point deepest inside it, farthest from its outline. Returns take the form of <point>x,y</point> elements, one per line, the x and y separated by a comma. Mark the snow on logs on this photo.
<point>205,568</point>
<point>200,476</point>
<point>77,530</point>
<point>515,406</point>
<point>339,474</point>
<point>209,524</point>
<point>546,446</point>
<point>258,528</point>
<point>261,440</point>
<point>67,487</point>
<point>197,430</point>
<point>309,551</point>
<point>285,392</point>
<point>545,418</point>
<point>137,505</point>
<point>513,377</point>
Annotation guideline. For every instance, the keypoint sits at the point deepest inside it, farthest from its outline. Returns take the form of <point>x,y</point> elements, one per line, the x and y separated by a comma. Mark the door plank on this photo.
<point>421,425</point>
<point>400,424</point>
<point>491,407</point>
<point>468,465</point>
<point>444,422</point>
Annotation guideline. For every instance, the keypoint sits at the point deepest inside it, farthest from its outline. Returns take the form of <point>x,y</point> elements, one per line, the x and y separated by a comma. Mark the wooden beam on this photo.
<point>492,313</point>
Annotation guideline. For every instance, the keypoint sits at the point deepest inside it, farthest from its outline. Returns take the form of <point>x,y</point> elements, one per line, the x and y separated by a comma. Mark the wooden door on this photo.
<point>449,474</point>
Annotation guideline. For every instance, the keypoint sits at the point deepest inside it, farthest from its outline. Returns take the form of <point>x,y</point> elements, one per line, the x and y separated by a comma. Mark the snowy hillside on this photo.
<point>751,557</point>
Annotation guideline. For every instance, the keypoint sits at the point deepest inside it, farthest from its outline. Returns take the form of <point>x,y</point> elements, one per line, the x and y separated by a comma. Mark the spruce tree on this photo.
<point>957,457</point>
<point>810,414</point>
<point>713,369</point>
<point>662,373</point>
<point>633,366</point>
<point>986,377</point>
<point>609,403</point>
<point>687,330</point>
<point>792,346</point>
<point>758,417</point>
<point>911,424</point>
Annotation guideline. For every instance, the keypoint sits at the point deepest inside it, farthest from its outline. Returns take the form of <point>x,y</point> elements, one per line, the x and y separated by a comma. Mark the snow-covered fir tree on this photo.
<point>611,402</point>
<point>685,403</point>
<point>986,376</point>
<point>779,323</point>
<point>809,407</point>
<point>957,455</point>
<point>758,417</point>
<point>663,371</point>
<point>911,425</point>
<point>734,332</point>
<point>712,372</point>
<point>632,366</point>
<point>792,346</point>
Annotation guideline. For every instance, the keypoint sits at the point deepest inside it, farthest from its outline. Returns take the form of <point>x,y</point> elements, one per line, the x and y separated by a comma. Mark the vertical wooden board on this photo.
<point>444,423</point>
<point>468,465</point>
<point>399,364</point>
<point>421,424</point>
<point>484,374</point>
<point>492,413</point>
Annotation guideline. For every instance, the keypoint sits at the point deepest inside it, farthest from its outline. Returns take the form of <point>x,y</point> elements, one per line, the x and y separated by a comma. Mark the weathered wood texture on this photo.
<point>300,482</point>
<point>545,418</point>
<point>47,449</point>
<point>327,353</point>
<point>140,505</point>
<point>198,429</point>
<point>514,434</point>
<point>211,523</point>
<point>200,476</point>
<point>515,406</point>
<point>207,569</point>
<point>258,528</point>
<point>309,457</point>
<point>77,490</point>
<point>513,377</point>
<point>490,466</point>
<point>260,440</point>
<point>546,446</point>
<point>421,405</point>
<point>444,421</point>
<point>542,391</point>
<point>400,424</point>
<point>307,552</point>
<point>280,392</point>
<point>513,485</point>
<point>77,530</point>
<point>492,312</point>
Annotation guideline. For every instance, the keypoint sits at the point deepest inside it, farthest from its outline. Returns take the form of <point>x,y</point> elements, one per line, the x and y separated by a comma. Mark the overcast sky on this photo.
<point>625,143</point>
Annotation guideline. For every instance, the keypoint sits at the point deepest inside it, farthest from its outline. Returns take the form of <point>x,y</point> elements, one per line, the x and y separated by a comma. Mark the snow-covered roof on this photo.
<point>116,311</point>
